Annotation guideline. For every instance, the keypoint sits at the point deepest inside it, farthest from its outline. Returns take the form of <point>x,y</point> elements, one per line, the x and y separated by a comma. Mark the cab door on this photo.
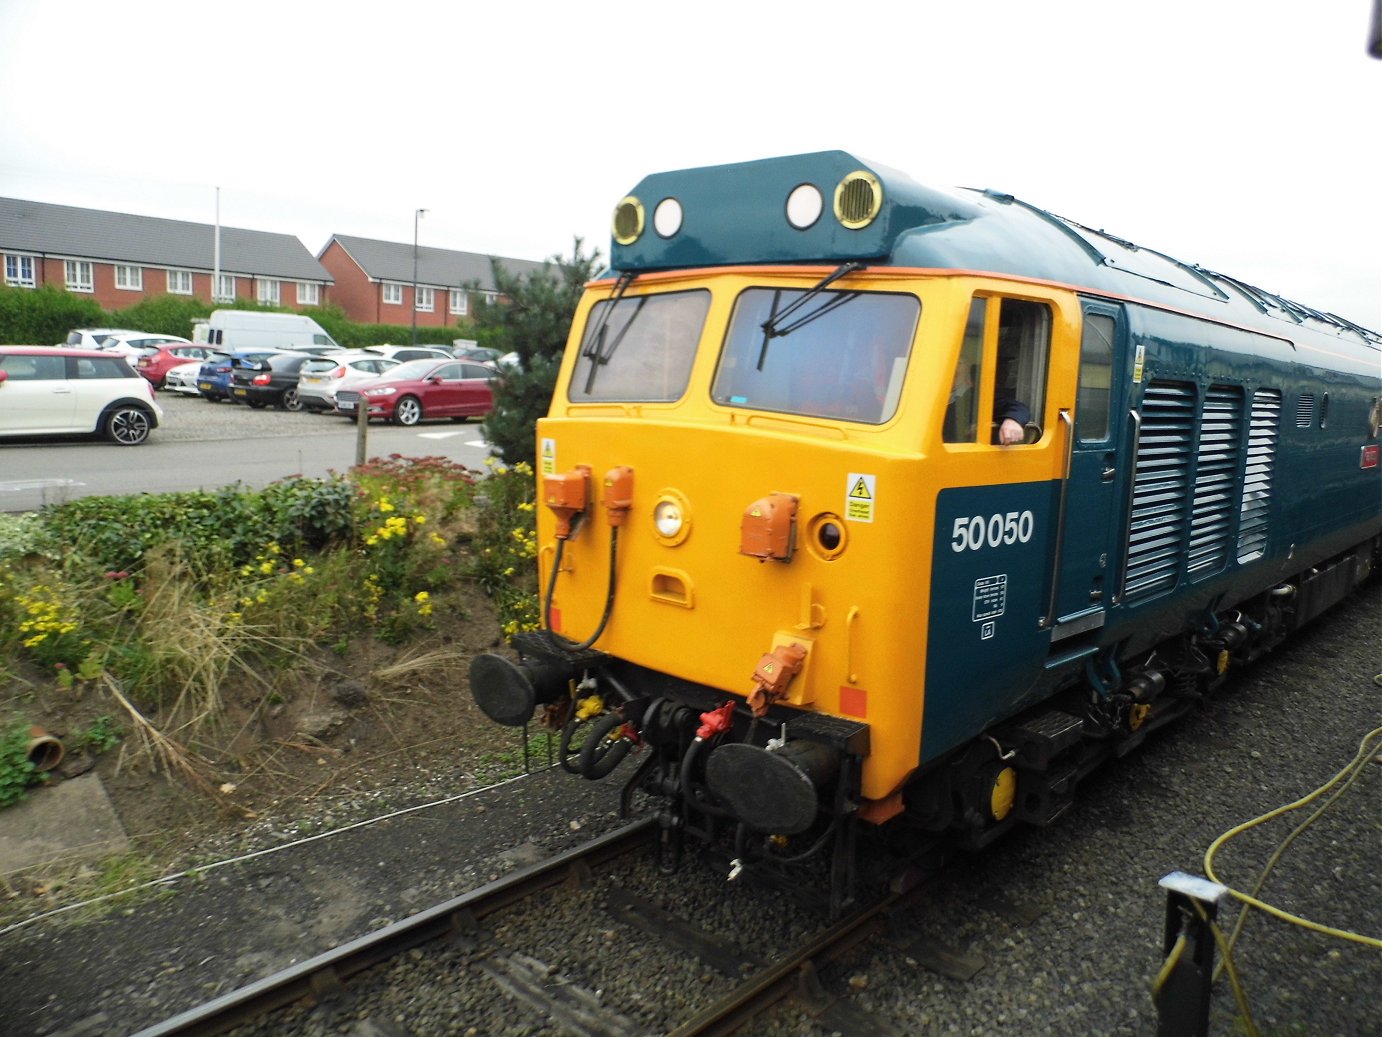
<point>1090,512</point>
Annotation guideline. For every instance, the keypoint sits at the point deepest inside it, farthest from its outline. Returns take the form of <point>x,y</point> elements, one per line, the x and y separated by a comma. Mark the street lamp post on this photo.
<point>417,215</point>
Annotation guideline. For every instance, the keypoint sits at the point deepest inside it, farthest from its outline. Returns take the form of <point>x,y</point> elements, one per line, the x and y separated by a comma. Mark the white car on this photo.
<point>93,338</point>
<point>133,344</point>
<point>183,378</point>
<point>322,377</point>
<point>54,390</point>
<point>411,352</point>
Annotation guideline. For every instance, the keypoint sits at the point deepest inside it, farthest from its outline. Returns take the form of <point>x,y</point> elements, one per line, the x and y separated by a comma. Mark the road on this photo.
<point>203,445</point>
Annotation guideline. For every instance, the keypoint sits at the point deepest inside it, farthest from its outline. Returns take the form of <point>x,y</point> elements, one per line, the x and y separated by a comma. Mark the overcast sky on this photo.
<point>1242,135</point>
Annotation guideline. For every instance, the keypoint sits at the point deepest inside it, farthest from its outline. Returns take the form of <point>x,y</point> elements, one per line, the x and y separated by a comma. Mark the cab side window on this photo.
<point>1024,351</point>
<point>1013,338</point>
<point>962,411</point>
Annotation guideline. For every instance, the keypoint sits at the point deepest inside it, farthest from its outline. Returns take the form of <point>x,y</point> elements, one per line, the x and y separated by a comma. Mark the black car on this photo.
<point>269,380</point>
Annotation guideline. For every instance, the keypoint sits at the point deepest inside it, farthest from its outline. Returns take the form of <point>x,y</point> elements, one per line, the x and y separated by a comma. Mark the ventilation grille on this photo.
<point>1161,485</point>
<point>1305,410</point>
<point>1257,478</point>
<point>1216,482</point>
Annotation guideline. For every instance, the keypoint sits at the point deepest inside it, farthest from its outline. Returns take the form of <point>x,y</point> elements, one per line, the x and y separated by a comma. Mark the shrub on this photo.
<point>16,771</point>
<point>43,316</point>
<point>162,315</point>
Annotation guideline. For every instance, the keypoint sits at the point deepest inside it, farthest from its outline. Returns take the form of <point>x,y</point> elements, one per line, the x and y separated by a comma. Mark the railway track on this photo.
<point>750,984</point>
<point>326,974</point>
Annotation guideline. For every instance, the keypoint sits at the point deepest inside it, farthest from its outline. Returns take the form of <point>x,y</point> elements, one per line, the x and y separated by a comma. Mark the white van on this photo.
<point>250,329</point>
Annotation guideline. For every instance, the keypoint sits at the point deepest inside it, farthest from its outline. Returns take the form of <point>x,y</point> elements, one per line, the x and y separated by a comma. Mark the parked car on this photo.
<point>478,354</point>
<point>54,390</point>
<point>133,344</point>
<point>183,378</point>
<point>323,376</point>
<point>213,381</point>
<point>155,363</point>
<point>91,338</point>
<point>411,352</point>
<point>420,389</point>
<point>269,381</point>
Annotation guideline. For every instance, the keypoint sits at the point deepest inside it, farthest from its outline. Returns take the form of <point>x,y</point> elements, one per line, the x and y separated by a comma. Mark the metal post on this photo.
<point>417,215</point>
<point>1182,990</point>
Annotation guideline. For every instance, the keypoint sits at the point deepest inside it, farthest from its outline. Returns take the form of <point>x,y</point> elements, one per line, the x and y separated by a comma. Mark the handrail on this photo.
<point>1049,620</point>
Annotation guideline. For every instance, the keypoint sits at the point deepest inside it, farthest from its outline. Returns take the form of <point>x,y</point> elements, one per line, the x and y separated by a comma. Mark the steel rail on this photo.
<point>328,971</point>
<point>800,967</point>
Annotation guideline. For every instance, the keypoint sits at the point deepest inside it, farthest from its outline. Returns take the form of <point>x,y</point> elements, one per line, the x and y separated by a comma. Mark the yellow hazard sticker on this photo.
<point>549,456</point>
<point>861,493</point>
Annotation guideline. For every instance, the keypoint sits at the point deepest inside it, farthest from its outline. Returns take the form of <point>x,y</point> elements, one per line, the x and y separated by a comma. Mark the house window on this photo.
<point>460,303</point>
<point>426,299</point>
<point>78,275</point>
<point>130,278</point>
<point>225,287</point>
<point>266,290</point>
<point>19,271</point>
<point>393,293</point>
<point>309,294</point>
<point>179,282</point>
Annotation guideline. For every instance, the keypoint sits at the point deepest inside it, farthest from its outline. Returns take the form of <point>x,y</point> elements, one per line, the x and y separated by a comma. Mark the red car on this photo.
<point>155,364</point>
<point>418,389</point>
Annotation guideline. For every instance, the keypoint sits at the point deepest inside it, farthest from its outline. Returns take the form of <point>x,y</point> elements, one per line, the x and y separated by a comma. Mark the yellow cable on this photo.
<point>1172,960</point>
<point>1226,952</point>
<point>1348,775</point>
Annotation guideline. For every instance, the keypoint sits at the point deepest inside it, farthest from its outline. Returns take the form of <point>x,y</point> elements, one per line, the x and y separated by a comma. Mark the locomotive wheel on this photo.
<point>605,747</point>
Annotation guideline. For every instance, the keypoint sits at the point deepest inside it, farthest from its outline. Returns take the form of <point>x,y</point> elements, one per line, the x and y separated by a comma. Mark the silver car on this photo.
<point>321,378</point>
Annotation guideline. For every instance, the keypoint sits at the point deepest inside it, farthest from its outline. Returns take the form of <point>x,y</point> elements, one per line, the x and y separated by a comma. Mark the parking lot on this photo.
<point>190,418</point>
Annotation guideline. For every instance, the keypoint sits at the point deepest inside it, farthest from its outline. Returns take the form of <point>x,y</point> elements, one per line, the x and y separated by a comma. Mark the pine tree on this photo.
<point>531,319</point>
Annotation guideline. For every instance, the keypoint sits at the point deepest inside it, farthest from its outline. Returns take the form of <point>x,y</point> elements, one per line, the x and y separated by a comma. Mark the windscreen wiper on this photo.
<point>595,349</point>
<point>595,343</point>
<point>774,327</point>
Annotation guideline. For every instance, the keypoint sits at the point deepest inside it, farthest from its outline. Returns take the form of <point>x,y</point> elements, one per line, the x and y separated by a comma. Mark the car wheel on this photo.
<point>128,425</point>
<point>408,411</point>
<point>290,400</point>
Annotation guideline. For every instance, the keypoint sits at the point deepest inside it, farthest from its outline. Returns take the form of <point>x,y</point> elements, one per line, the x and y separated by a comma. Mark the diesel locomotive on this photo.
<point>866,505</point>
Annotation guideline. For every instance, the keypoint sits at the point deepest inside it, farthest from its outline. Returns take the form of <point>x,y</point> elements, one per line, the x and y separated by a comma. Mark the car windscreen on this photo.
<point>833,355</point>
<point>639,347</point>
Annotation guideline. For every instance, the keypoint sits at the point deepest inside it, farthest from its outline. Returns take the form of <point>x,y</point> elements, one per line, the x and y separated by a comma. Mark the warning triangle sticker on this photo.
<point>861,490</point>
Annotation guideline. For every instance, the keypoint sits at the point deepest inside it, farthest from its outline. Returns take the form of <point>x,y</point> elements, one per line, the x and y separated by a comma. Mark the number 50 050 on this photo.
<point>973,532</point>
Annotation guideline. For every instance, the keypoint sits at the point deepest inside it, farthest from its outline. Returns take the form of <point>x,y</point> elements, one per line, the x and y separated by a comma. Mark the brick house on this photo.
<point>119,259</point>
<point>373,280</point>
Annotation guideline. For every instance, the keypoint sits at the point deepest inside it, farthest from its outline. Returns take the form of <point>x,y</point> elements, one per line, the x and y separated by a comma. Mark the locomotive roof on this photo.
<point>740,214</point>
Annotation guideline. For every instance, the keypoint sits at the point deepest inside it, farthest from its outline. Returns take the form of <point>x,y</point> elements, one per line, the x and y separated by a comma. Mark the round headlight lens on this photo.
<point>667,217</point>
<point>668,518</point>
<point>804,206</point>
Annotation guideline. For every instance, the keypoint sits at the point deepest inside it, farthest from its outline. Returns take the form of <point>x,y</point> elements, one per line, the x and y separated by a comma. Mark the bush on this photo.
<point>44,316</point>
<point>162,315</point>
<point>169,593</point>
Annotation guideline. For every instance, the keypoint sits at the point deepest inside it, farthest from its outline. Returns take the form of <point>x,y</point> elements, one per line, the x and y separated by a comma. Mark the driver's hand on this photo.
<point>1010,432</point>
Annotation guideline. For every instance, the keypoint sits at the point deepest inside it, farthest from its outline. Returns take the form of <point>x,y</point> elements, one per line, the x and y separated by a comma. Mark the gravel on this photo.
<point>1063,924</point>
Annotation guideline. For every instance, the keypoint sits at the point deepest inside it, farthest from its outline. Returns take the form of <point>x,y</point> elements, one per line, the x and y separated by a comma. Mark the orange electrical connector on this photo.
<point>618,497</point>
<point>566,494</point>
<point>772,675</point>
<point>769,528</point>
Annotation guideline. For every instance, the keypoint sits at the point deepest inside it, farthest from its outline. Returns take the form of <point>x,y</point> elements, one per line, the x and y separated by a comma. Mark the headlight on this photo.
<point>387,390</point>
<point>671,518</point>
<point>667,516</point>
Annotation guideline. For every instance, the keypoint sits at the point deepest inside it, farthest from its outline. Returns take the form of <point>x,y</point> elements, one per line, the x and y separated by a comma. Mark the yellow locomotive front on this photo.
<point>739,478</point>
